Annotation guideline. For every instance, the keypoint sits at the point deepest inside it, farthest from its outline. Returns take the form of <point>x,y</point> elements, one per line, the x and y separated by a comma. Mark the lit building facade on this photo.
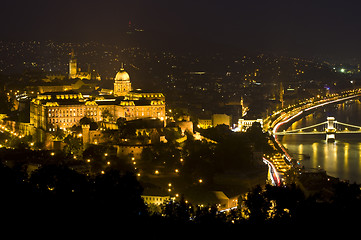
<point>65,109</point>
<point>243,124</point>
<point>156,200</point>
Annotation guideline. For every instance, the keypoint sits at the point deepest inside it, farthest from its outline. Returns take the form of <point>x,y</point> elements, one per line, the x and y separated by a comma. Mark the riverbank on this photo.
<point>342,158</point>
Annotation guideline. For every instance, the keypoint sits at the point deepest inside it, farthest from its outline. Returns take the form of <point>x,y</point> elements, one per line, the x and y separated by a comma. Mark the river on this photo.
<point>341,159</point>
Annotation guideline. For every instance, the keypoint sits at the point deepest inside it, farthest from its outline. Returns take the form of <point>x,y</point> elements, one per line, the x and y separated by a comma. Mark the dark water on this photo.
<point>340,159</point>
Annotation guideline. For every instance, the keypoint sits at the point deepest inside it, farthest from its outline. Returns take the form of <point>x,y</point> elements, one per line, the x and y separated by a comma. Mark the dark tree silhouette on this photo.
<point>119,194</point>
<point>257,205</point>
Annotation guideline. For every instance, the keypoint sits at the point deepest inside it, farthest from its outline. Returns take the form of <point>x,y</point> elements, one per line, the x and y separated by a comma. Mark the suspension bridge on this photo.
<point>329,127</point>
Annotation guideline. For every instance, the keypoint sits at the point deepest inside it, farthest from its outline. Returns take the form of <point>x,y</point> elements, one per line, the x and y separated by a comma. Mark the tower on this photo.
<point>86,136</point>
<point>282,91</point>
<point>122,83</point>
<point>330,130</point>
<point>73,68</point>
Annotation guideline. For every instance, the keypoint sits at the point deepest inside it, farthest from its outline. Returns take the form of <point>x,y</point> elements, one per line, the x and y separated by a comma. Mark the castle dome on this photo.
<point>122,75</point>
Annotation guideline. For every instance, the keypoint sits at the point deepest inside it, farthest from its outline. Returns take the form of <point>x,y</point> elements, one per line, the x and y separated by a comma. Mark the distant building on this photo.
<point>204,123</point>
<point>219,119</point>
<point>216,119</point>
<point>75,72</point>
<point>125,151</point>
<point>155,196</point>
<point>243,124</point>
<point>154,199</point>
<point>80,85</point>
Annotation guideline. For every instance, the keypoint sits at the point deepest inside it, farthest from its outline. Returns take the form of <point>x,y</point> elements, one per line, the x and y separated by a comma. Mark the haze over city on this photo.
<point>308,28</point>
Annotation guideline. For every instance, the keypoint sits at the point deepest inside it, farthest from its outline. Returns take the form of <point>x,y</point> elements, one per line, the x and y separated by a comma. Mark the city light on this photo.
<point>217,128</point>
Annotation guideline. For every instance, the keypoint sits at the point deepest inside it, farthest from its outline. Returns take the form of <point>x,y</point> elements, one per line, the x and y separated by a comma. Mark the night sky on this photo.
<point>310,28</point>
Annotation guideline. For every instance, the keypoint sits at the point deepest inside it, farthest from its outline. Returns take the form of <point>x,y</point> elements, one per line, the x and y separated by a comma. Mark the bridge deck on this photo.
<point>313,132</point>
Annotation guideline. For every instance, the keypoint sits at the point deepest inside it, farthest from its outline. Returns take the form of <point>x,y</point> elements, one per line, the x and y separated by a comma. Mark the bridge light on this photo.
<point>314,130</point>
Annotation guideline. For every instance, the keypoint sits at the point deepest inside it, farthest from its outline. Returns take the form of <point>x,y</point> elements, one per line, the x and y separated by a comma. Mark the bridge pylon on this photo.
<point>330,130</point>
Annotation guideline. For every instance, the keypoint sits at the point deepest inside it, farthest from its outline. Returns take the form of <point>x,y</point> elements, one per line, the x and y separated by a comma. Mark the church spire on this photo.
<point>73,67</point>
<point>72,54</point>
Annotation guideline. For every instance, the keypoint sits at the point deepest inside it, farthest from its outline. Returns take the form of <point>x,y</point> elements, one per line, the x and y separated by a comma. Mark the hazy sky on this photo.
<point>306,27</point>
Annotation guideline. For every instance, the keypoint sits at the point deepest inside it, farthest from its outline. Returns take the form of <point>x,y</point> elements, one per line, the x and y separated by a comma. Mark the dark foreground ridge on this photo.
<point>56,193</point>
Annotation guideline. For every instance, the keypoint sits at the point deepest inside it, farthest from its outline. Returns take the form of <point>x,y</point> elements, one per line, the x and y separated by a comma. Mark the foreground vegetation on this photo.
<point>55,192</point>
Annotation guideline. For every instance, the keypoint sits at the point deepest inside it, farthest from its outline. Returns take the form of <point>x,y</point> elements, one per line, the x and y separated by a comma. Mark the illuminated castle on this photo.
<point>64,109</point>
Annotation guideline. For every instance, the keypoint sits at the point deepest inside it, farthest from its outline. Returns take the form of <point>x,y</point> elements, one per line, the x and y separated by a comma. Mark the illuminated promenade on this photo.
<point>279,165</point>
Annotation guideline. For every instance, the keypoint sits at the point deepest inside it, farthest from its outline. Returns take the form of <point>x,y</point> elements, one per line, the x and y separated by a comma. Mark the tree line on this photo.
<point>55,192</point>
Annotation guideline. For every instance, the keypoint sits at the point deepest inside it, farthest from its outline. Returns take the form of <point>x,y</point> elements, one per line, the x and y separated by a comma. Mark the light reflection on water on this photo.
<point>340,159</point>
